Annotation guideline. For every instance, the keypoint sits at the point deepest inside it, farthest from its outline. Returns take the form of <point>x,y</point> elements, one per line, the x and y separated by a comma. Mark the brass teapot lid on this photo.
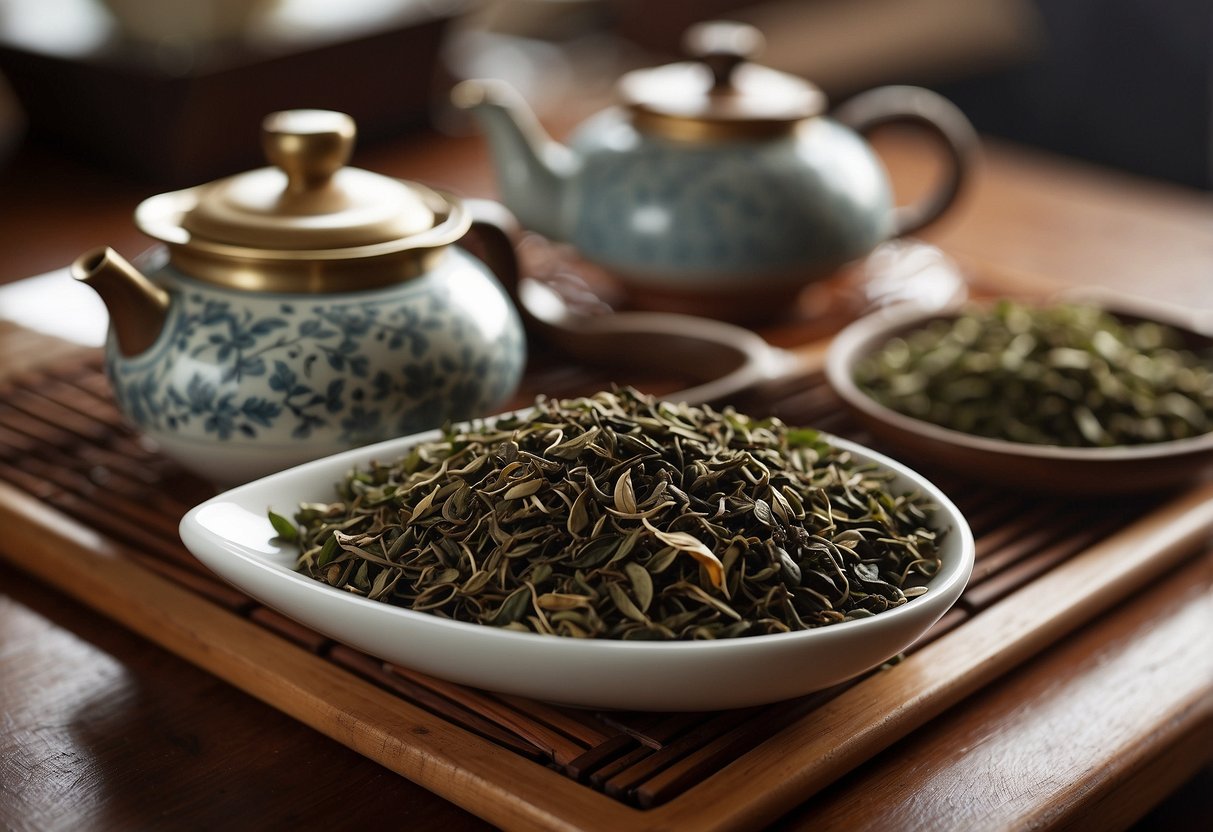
<point>721,94</point>
<point>307,224</point>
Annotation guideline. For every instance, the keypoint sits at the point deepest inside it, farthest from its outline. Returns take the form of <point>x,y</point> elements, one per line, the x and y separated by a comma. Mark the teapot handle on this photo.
<point>939,117</point>
<point>494,230</point>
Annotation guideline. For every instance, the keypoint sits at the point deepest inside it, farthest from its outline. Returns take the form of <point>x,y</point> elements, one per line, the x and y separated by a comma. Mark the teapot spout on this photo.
<point>137,307</point>
<point>533,170</point>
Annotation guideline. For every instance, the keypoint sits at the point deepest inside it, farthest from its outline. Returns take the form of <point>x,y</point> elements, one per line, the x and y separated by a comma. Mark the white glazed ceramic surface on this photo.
<point>241,384</point>
<point>231,534</point>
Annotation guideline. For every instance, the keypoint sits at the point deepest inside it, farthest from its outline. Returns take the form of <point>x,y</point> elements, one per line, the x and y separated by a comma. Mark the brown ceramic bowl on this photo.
<point>1052,468</point>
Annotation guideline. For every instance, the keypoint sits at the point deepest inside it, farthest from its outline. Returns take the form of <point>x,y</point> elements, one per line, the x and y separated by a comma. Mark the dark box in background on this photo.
<point>173,120</point>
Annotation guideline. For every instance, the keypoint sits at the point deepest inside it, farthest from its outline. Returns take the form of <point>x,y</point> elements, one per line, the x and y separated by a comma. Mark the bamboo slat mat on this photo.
<point>94,509</point>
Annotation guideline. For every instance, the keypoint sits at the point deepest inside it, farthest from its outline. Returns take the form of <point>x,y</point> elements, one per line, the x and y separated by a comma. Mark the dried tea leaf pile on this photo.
<point>1066,374</point>
<point>617,516</point>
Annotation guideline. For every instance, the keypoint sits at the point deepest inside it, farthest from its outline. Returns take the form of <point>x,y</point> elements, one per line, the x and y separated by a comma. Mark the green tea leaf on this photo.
<point>284,528</point>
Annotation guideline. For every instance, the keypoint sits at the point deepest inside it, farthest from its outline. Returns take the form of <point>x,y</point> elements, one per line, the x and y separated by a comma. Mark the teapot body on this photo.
<point>729,215</point>
<point>716,185</point>
<point>240,384</point>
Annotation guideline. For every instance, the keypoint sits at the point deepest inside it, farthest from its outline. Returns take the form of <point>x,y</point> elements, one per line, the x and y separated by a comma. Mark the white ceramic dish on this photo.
<point>231,534</point>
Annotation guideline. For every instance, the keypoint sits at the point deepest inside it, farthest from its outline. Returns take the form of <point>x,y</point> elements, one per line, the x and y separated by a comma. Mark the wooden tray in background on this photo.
<point>93,510</point>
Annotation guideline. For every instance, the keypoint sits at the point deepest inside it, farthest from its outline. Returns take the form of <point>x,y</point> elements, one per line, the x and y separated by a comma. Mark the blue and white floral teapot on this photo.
<point>301,309</point>
<point>716,183</point>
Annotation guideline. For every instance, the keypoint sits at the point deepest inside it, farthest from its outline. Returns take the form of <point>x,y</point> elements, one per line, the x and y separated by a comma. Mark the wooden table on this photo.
<point>102,729</point>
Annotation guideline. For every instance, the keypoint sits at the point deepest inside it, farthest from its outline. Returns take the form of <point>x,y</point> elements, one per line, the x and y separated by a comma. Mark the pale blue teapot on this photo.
<point>716,178</point>
<point>304,308</point>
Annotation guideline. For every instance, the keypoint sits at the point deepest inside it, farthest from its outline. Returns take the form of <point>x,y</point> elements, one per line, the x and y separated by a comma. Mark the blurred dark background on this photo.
<point>170,90</point>
<point>1127,83</point>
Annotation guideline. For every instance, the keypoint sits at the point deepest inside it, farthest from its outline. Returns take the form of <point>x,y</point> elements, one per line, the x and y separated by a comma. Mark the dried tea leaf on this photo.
<point>693,546</point>
<point>524,489</point>
<point>620,599</point>
<point>616,516</point>
<point>556,601</point>
<point>579,515</point>
<point>1064,374</point>
<point>625,496</point>
<point>642,584</point>
<point>512,608</point>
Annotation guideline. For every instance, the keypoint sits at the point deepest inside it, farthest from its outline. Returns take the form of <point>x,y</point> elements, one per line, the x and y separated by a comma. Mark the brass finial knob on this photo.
<point>308,145</point>
<point>723,45</point>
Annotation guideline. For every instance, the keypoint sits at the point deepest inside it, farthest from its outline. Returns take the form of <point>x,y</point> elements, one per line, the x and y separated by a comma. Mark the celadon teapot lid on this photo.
<point>309,223</point>
<point>722,94</point>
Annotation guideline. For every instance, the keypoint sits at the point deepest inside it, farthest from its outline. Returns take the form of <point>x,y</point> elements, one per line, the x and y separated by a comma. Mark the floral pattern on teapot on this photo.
<point>305,371</point>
